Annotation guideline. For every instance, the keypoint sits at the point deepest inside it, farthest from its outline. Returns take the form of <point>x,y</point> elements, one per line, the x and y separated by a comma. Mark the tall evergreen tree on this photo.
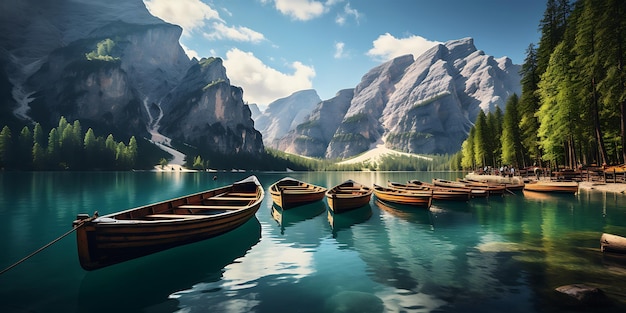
<point>511,140</point>
<point>6,148</point>
<point>588,68</point>
<point>25,146</point>
<point>558,114</point>
<point>528,105</point>
<point>52,153</point>
<point>467,149</point>
<point>39,136</point>
<point>132,151</point>
<point>610,42</point>
<point>481,146</point>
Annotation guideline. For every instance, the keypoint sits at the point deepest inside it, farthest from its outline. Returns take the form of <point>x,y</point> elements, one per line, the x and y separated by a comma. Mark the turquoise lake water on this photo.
<point>487,255</point>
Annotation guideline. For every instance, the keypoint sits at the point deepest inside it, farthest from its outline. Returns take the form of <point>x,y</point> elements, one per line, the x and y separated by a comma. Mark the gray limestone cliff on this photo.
<point>117,68</point>
<point>425,105</point>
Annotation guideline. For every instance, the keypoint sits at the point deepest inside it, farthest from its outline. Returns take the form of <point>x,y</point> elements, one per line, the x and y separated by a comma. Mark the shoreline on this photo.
<point>603,187</point>
<point>584,185</point>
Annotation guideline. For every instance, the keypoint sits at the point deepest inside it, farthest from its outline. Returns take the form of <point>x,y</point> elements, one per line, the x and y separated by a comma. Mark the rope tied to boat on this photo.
<point>76,225</point>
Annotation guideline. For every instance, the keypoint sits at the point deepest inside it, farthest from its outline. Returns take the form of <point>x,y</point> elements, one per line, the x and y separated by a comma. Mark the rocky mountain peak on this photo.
<point>424,105</point>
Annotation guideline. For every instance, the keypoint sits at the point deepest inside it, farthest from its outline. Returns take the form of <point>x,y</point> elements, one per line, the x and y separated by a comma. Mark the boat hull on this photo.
<point>421,198</point>
<point>348,196</point>
<point>557,187</point>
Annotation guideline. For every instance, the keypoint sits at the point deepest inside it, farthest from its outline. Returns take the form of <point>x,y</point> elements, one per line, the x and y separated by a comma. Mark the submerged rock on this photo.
<point>581,295</point>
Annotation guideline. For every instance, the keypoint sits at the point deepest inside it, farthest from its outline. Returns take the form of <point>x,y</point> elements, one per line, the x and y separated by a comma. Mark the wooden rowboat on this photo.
<point>491,188</point>
<point>118,237</point>
<point>475,192</point>
<point>422,198</point>
<point>439,193</point>
<point>612,243</point>
<point>553,186</point>
<point>347,196</point>
<point>289,192</point>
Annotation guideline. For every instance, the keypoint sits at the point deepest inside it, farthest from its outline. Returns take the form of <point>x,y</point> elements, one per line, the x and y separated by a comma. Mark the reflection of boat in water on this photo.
<point>288,193</point>
<point>146,282</point>
<point>405,212</point>
<point>348,219</point>
<point>286,218</point>
<point>545,196</point>
<point>450,216</point>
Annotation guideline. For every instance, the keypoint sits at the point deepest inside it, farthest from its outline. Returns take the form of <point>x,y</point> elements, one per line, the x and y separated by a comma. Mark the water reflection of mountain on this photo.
<point>149,281</point>
<point>427,267</point>
<point>288,218</point>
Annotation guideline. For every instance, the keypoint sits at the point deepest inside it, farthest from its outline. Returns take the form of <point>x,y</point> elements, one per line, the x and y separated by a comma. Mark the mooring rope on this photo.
<point>77,226</point>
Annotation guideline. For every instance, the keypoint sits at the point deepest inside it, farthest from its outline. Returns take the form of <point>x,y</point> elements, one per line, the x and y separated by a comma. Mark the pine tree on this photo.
<point>481,136</point>
<point>528,105</point>
<point>91,149</point>
<point>467,149</point>
<point>39,156</point>
<point>6,148</point>
<point>511,140</point>
<point>558,114</point>
<point>133,151</point>
<point>611,38</point>
<point>587,66</point>
<point>39,136</point>
<point>25,146</point>
<point>52,153</point>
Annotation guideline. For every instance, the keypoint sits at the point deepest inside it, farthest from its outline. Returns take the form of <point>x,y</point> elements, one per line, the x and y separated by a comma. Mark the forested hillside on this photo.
<point>64,147</point>
<point>573,104</point>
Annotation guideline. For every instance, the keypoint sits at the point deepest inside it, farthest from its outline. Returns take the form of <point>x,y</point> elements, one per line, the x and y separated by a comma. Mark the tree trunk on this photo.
<point>596,123</point>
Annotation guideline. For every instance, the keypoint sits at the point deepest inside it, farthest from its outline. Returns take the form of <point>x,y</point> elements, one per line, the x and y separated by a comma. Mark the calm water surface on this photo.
<point>502,254</point>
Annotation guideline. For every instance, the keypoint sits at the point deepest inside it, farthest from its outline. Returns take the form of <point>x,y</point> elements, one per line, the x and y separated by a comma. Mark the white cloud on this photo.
<point>339,50</point>
<point>261,83</point>
<point>240,33</point>
<point>347,11</point>
<point>189,14</point>
<point>387,47</point>
<point>302,10</point>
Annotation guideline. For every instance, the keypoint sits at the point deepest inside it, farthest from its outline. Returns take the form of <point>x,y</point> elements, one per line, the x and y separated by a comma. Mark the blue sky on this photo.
<point>272,48</point>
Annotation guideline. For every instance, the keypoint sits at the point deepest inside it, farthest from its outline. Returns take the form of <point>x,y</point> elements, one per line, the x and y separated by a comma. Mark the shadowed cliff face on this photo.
<point>423,106</point>
<point>116,67</point>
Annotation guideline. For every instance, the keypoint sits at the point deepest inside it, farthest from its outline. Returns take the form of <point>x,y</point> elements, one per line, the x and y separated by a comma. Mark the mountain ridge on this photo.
<point>423,105</point>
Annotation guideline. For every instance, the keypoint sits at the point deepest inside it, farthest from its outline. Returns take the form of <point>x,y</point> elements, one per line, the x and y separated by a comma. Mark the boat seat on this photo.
<point>175,216</point>
<point>208,207</point>
<point>232,198</point>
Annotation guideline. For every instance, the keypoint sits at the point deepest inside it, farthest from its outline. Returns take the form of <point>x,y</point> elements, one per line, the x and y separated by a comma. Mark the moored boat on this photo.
<point>289,192</point>
<point>347,196</point>
<point>491,188</point>
<point>553,186</point>
<point>118,237</point>
<point>475,192</point>
<point>439,193</point>
<point>422,198</point>
<point>613,243</point>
